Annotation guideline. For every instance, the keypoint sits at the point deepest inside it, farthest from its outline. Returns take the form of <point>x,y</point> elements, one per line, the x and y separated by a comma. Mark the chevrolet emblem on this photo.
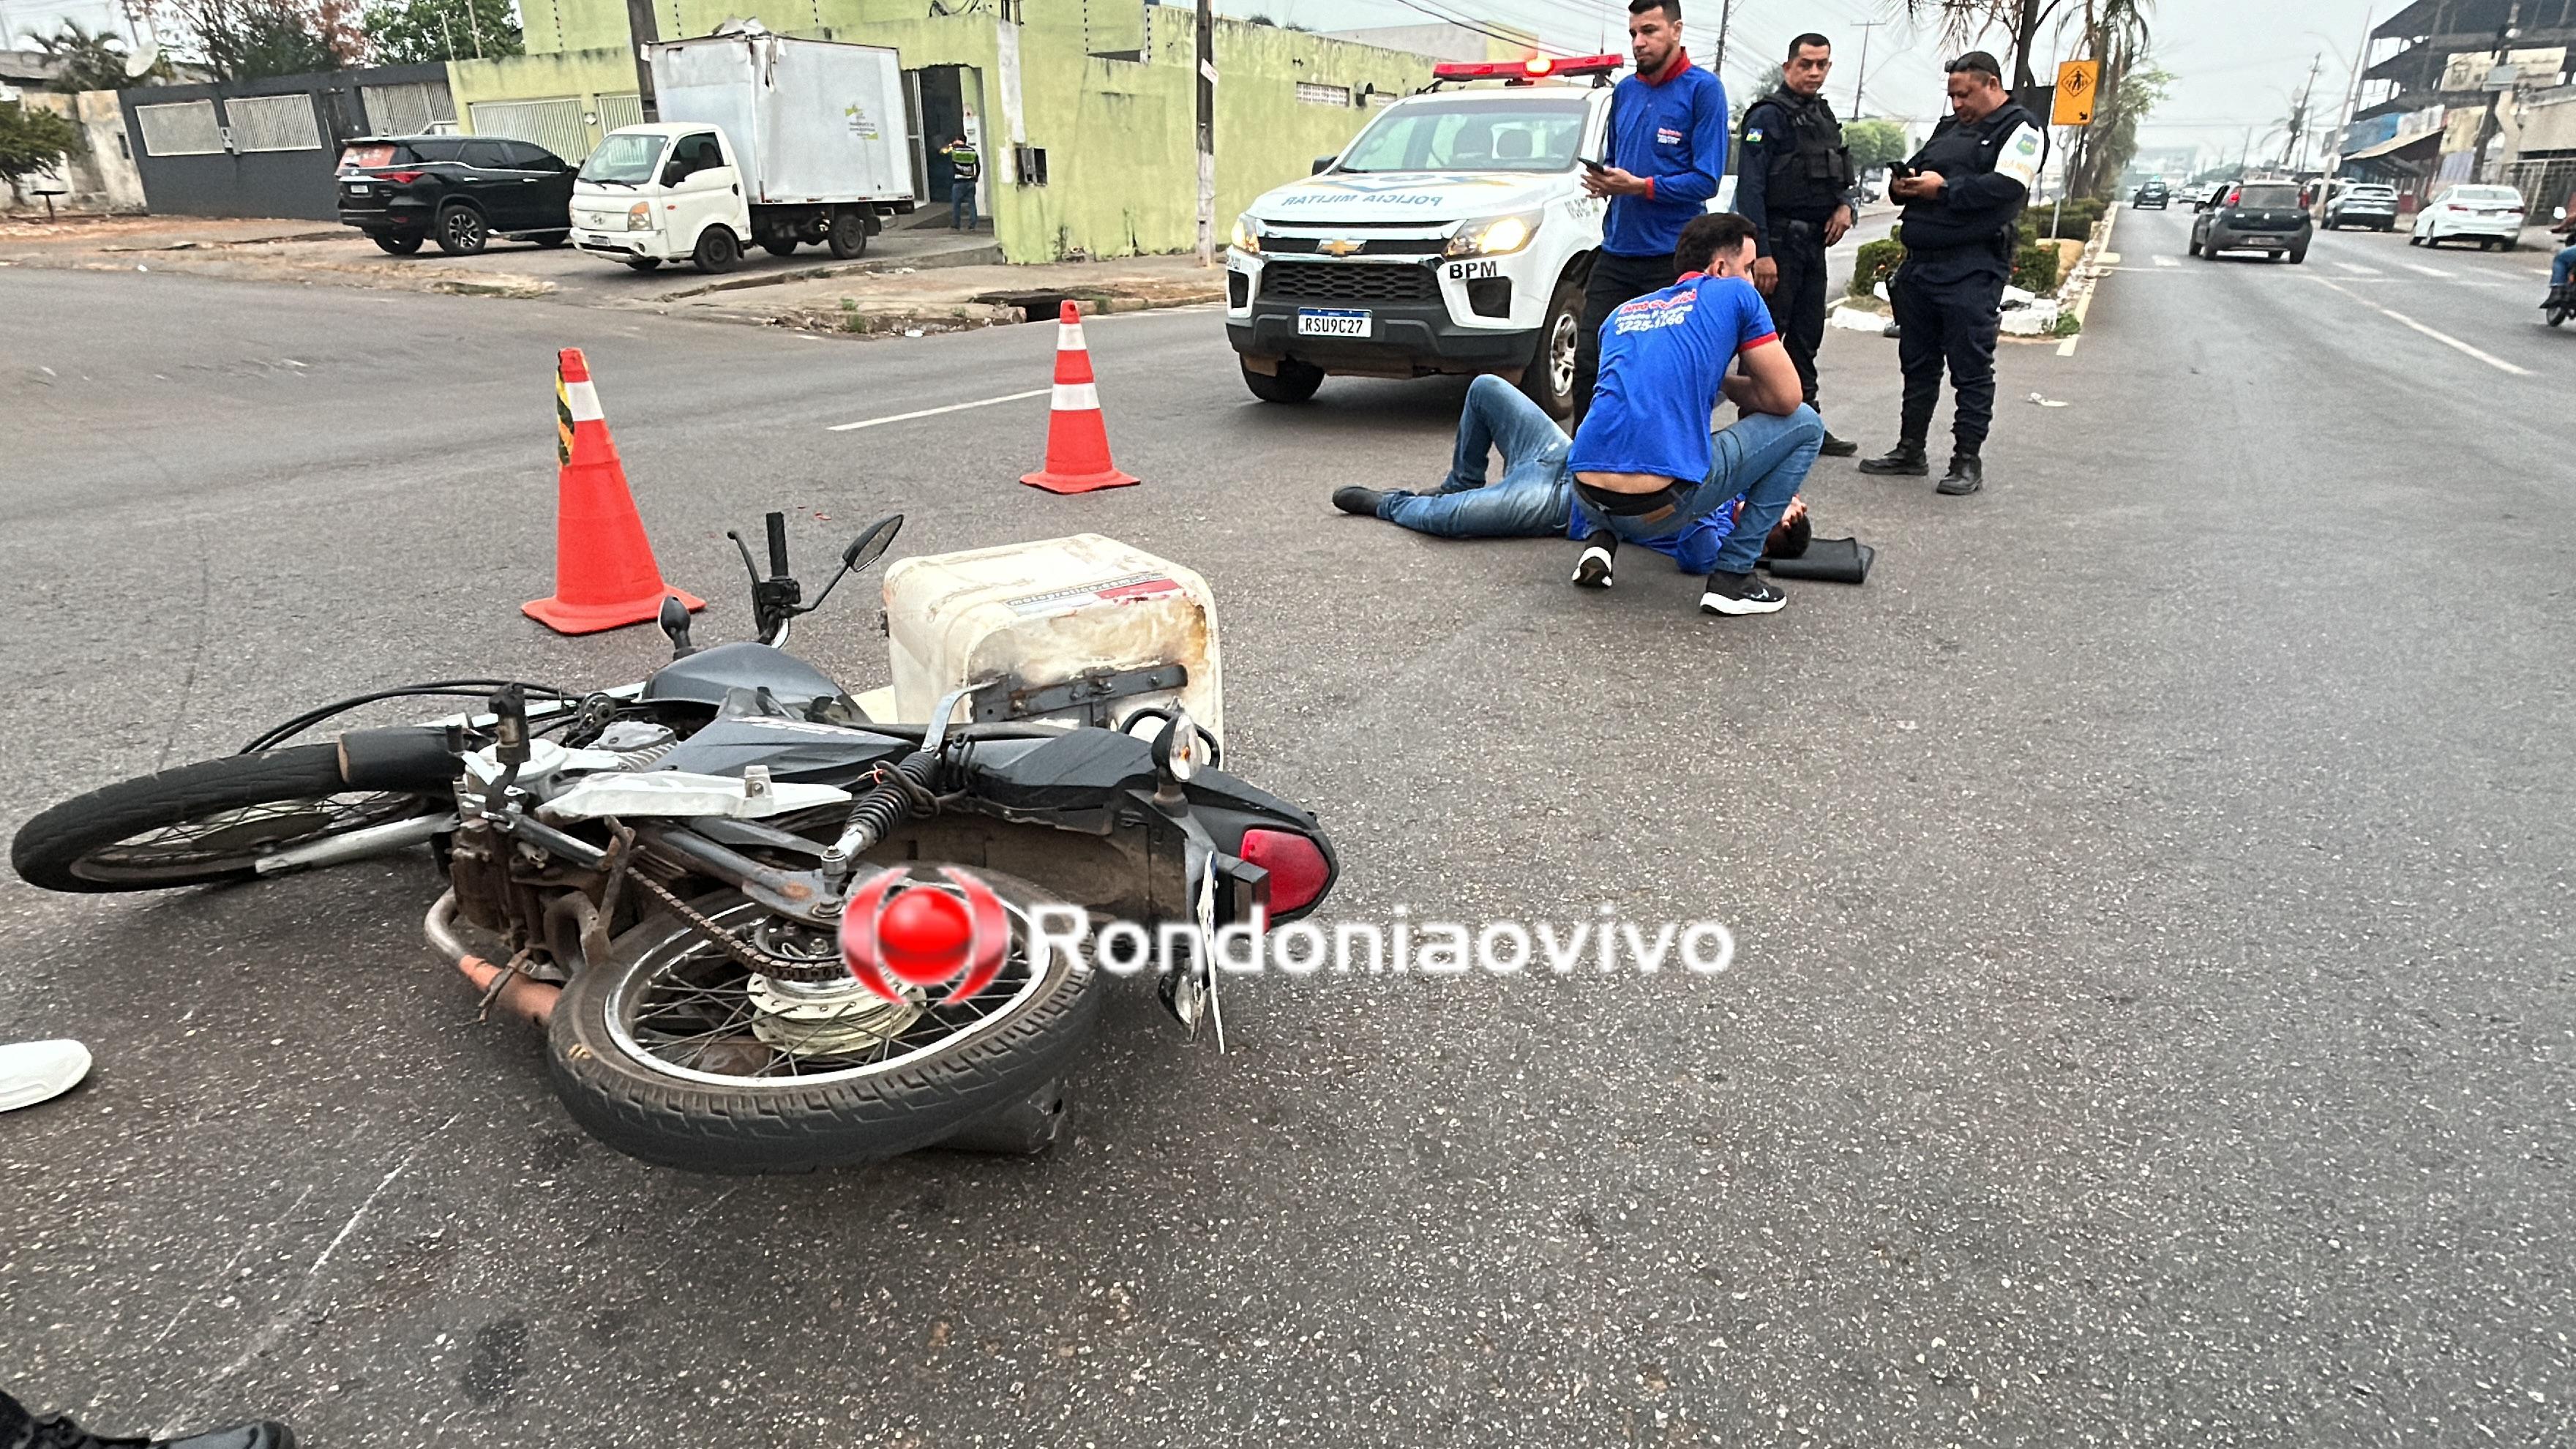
<point>1340,247</point>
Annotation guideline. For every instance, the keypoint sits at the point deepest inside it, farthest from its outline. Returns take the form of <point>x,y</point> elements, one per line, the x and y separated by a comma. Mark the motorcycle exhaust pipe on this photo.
<point>531,1001</point>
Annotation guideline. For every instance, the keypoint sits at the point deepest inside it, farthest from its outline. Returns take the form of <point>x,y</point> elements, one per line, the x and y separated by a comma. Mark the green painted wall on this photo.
<point>1122,165</point>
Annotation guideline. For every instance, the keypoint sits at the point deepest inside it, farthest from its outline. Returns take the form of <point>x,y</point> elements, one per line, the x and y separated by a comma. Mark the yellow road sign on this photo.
<point>2077,80</point>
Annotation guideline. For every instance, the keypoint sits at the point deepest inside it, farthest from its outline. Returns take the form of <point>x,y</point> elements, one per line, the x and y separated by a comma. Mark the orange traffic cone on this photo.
<point>604,570</point>
<point>1077,456</point>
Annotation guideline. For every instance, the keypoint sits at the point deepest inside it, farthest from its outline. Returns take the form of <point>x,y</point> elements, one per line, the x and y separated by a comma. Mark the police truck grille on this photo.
<point>1330,282</point>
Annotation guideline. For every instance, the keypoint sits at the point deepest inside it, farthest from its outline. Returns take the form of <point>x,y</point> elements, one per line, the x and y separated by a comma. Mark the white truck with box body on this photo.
<point>763,140</point>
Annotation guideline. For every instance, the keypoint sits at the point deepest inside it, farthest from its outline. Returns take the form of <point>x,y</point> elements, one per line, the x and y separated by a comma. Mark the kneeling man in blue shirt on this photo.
<point>1646,466</point>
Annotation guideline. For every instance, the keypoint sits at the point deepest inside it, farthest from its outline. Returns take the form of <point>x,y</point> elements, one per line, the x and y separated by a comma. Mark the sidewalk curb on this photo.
<point>985,256</point>
<point>2090,265</point>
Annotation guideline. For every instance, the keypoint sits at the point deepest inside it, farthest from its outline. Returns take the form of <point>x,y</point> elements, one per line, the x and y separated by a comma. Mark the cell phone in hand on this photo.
<point>1591,165</point>
<point>1898,170</point>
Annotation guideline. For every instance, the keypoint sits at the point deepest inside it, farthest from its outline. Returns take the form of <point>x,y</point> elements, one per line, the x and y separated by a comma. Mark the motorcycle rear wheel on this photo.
<point>660,1053</point>
<point>198,824</point>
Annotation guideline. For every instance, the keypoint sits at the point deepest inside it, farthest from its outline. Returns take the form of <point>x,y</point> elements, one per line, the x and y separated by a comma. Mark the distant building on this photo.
<point>1443,41</point>
<point>2457,114</point>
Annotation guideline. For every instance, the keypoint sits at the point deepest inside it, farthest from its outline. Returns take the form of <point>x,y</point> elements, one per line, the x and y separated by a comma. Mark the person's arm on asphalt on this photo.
<point>1769,382</point>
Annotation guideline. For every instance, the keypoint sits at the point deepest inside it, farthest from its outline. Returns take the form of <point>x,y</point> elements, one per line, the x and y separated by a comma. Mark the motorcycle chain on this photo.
<point>779,968</point>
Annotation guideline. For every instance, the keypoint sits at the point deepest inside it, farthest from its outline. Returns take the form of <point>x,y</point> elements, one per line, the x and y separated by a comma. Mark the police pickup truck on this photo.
<point>1451,236</point>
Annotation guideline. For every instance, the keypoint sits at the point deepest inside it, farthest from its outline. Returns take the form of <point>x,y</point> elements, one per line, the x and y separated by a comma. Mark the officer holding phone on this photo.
<point>1963,193</point>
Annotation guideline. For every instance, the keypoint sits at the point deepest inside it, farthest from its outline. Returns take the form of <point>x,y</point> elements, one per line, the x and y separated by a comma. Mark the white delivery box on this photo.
<point>1078,630</point>
<point>813,122</point>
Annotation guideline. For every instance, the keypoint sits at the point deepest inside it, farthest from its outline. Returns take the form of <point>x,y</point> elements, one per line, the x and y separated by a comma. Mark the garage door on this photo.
<point>553,124</point>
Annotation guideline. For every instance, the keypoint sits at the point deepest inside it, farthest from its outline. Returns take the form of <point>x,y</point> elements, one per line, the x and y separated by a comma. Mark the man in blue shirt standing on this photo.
<point>1667,149</point>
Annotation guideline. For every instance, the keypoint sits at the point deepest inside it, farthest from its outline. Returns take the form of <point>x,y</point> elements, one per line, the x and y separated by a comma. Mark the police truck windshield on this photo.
<point>1470,133</point>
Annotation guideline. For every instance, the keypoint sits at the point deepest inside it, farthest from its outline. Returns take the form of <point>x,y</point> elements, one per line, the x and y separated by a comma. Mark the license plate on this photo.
<point>1332,322</point>
<point>357,190</point>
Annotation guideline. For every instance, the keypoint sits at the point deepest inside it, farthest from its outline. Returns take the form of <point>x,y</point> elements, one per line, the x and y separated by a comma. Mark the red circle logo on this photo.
<point>898,931</point>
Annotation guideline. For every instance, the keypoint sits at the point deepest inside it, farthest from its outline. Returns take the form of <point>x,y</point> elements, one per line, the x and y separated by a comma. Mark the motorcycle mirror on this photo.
<point>872,542</point>
<point>867,548</point>
<point>675,623</point>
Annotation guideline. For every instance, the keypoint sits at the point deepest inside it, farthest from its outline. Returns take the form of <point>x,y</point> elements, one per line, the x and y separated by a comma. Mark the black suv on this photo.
<point>462,190</point>
<point>2254,216</point>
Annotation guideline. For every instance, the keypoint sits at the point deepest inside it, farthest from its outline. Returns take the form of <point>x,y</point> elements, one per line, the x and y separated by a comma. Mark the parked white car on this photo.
<point>2491,216</point>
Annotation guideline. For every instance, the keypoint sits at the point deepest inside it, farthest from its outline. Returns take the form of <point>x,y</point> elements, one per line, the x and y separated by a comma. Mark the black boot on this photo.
<point>1356,499</point>
<point>1966,475</point>
<point>1837,447</point>
<point>1908,459</point>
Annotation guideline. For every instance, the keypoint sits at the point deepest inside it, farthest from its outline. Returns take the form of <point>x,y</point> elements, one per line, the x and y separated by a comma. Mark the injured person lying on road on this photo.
<point>1534,498</point>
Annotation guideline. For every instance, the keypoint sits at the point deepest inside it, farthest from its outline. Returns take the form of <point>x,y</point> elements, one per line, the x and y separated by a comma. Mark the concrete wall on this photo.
<point>1122,169</point>
<point>101,174</point>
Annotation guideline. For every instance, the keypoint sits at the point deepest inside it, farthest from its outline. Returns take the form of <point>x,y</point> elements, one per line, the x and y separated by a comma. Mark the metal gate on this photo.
<point>553,124</point>
<point>410,109</point>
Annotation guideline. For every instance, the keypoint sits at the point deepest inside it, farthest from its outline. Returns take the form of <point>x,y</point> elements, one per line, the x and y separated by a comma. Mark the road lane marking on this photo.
<point>934,412</point>
<point>2427,271</point>
<point>2358,270</point>
<point>2166,261</point>
<point>2446,339</point>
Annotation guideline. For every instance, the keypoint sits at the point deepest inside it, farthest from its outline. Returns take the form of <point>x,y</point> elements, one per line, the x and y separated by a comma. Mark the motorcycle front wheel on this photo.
<point>200,823</point>
<point>678,1053</point>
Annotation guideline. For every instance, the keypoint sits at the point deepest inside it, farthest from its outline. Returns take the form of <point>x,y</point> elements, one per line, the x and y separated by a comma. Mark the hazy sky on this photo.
<point>2236,63</point>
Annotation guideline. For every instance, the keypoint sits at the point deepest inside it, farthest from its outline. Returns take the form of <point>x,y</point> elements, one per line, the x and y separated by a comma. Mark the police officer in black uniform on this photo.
<point>1962,192</point>
<point>1795,187</point>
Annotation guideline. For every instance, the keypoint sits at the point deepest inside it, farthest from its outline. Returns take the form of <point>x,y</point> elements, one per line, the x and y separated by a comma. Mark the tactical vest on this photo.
<point>1958,150</point>
<point>1810,170</point>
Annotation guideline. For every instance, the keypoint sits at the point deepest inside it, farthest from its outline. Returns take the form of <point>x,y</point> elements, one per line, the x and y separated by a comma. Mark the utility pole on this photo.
<point>2494,118</point>
<point>1207,133</point>
<point>1725,14</point>
<point>2294,152</point>
<point>642,30</point>
<point>2351,101</point>
<point>1862,79</point>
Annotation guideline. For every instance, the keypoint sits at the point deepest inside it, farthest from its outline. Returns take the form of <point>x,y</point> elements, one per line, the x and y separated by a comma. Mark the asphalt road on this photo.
<point>2151,1022</point>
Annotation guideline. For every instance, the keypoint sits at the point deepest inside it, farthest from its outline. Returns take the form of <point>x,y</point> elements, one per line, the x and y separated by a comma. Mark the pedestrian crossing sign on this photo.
<point>2076,82</point>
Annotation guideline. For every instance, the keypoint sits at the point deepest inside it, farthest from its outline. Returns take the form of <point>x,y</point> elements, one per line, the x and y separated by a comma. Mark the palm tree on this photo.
<point>88,61</point>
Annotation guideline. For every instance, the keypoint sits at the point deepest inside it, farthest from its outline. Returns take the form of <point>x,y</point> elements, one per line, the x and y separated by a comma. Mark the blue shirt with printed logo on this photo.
<point>1672,133</point>
<point>1664,357</point>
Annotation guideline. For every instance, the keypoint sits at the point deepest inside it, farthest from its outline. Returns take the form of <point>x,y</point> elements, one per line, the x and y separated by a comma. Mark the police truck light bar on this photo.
<point>1537,67</point>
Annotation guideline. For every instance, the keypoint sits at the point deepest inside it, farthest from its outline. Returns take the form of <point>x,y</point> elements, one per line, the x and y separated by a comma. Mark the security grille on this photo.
<point>1323,95</point>
<point>1363,282</point>
<point>409,109</point>
<point>274,123</point>
<point>555,125</point>
<point>182,128</point>
<point>617,111</point>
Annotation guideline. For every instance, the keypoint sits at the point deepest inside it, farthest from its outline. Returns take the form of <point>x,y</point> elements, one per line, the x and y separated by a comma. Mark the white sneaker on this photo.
<point>39,1071</point>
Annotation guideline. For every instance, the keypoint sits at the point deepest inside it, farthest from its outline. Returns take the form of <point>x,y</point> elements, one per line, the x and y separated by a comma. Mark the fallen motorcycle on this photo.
<point>689,881</point>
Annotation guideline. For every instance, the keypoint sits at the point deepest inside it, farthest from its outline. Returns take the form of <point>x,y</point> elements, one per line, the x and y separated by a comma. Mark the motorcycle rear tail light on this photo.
<point>1298,872</point>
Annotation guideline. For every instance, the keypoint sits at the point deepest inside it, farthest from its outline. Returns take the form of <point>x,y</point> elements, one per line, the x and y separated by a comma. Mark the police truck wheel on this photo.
<point>1548,380</point>
<point>718,249</point>
<point>1294,382</point>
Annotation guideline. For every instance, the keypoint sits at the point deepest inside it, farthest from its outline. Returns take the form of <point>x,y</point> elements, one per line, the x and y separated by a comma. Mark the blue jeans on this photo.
<point>961,205</point>
<point>2562,266</point>
<point>1764,457</point>
<point>1532,499</point>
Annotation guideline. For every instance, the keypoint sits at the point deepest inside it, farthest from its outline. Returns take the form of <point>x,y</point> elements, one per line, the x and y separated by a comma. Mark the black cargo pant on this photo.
<point>1798,295</point>
<point>1615,279</point>
<point>1948,318</point>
